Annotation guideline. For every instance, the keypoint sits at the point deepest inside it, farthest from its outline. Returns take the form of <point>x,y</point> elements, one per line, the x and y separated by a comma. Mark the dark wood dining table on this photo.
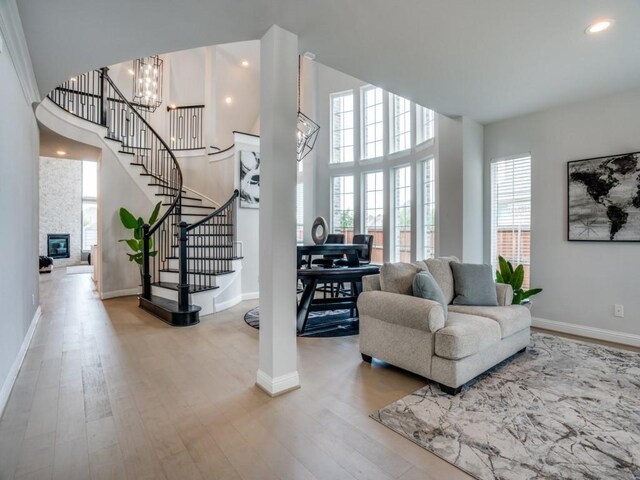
<point>310,276</point>
<point>349,250</point>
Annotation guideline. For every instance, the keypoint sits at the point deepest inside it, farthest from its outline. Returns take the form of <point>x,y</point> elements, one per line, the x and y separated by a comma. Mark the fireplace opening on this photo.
<point>58,245</point>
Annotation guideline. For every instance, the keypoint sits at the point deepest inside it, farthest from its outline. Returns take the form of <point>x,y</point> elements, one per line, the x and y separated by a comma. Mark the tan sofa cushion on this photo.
<point>398,277</point>
<point>441,271</point>
<point>511,319</point>
<point>464,335</point>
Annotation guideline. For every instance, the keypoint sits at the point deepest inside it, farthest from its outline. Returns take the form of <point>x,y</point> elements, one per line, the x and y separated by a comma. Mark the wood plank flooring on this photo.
<point>108,391</point>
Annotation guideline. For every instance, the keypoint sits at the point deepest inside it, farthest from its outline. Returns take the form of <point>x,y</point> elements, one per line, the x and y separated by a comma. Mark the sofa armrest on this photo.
<point>405,310</point>
<point>371,283</point>
<point>505,294</point>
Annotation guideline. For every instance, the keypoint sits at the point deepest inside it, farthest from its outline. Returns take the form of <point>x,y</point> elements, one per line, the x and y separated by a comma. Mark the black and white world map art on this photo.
<point>604,198</point>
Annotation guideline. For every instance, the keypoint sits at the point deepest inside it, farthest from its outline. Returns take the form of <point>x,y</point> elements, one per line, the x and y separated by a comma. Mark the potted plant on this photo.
<point>136,243</point>
<point>515,277</point>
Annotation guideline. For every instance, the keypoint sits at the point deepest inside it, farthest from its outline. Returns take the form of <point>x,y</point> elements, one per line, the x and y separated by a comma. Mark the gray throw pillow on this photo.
<point>425,286</point>
<point>440,268</point>
<point>398,277</point>
<point>474,284</point>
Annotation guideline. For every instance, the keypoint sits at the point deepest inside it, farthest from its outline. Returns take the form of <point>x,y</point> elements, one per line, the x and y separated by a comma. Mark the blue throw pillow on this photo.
<point>474,284</point>
<point>425,286</point>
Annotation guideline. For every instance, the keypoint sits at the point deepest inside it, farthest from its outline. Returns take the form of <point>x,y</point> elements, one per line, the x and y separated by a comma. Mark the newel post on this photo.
<point>183,285</point>
<point>146,273</point>
<point>103,99</point>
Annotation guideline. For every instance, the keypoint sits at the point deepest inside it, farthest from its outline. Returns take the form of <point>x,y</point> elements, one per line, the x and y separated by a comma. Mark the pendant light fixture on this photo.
<point>147,81</point>
<point>307,129</point>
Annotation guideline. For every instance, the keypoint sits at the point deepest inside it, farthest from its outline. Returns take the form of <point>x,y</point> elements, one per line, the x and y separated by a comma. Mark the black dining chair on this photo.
<point>328,261</point>
<point>364,257</point>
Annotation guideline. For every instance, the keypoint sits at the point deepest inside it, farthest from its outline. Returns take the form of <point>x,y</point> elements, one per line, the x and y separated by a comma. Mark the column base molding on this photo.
<point>279,385</point>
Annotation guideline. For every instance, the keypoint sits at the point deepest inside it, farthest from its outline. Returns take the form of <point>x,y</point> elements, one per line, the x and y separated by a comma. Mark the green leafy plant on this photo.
<point>514,277</point>
<point>136,243</point>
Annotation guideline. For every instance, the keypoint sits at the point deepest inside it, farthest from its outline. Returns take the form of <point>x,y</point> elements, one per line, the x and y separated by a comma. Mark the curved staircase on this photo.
<point>190,255</point>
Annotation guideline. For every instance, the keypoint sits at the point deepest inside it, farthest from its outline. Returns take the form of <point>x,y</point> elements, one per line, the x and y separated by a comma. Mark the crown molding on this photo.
<point>16,44</point>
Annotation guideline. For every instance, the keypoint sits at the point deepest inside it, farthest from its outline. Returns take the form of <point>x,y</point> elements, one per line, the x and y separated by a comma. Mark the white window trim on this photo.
<point>332,149</point>
<point>392,212</point>
<point>419,128</point>
<point>391,121</point>
<point>493,218</point>
<point>331,206</point>
<point>363,195</point>
<point>421,164</point>
<point>362,125</point>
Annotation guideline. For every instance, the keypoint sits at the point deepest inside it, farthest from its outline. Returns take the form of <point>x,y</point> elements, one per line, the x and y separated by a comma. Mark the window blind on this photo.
<point>511,211</point>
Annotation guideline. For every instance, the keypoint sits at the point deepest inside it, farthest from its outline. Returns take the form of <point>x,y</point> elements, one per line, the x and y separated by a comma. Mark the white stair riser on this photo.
<point>211,301</point>
<point>174,277</point>
<point>205,299</point>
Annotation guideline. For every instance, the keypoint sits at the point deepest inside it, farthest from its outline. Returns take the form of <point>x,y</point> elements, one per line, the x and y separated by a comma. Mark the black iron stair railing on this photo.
<point>203,249</point>
<point>93,96</point>
<point>208,248</point>
<point>186,124</point>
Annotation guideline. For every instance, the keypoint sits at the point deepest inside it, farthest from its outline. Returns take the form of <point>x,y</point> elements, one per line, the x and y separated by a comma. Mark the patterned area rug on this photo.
<point>563,409</point>
<point>333,323</point>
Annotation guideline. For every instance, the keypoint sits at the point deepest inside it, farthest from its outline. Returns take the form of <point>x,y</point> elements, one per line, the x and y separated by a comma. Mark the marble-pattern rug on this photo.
<point>563,410</point>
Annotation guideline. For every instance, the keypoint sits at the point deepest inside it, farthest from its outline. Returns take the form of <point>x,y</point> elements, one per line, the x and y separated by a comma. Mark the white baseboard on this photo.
<point>279,385</point>
<point>17,364</point>
<point>120,293</point>
<point>588,332</point>
<point>220,306</point>
<point>250,296</point>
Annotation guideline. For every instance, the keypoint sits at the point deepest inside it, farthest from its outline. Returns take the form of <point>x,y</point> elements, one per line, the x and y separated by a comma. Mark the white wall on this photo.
<point>472,185</point>
<point>119,185</point>
<point>19,297</point>
<point>582,281</point>
<point>243,86</point>
<point>116,189</point>
<point>61,205</point>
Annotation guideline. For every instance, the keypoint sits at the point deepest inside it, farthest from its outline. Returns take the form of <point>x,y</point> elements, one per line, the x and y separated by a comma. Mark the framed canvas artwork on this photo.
<point>249,179</point>
<point>604,199</point>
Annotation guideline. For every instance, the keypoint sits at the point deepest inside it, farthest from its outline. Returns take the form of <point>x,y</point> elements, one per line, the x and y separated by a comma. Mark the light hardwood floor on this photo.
<point>108,391</point>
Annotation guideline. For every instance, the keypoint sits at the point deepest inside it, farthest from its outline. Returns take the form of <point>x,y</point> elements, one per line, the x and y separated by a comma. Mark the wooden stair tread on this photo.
<point>210,273</point>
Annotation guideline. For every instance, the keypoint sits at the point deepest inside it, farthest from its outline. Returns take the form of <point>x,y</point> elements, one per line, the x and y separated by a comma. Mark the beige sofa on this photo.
<point>411,332</point>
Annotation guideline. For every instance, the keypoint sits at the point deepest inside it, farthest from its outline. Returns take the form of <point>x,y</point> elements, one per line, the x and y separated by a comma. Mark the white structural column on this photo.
<point>277,371</point>
<point>460,180</point>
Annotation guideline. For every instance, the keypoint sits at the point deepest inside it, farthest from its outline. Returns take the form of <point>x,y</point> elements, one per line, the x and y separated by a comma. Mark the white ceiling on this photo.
<point>487,59</point>
<point>51,143</point>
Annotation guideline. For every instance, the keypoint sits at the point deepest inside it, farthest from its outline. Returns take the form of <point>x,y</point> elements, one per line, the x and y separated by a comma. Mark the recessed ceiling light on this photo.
<point>245,63</point>
<point>229,100</point>
<point>61,152</point>
<point>173,106</point>
<point>599,26</point>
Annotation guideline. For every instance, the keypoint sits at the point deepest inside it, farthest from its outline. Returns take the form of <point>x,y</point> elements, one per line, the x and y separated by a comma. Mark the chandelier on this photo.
<point>307,128</point>
<point>147,81</point>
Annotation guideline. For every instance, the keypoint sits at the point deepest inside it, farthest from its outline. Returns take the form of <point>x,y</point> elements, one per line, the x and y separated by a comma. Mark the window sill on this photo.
<point>341,164</point>
<point>399,154</point>
<point>424,145</point>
